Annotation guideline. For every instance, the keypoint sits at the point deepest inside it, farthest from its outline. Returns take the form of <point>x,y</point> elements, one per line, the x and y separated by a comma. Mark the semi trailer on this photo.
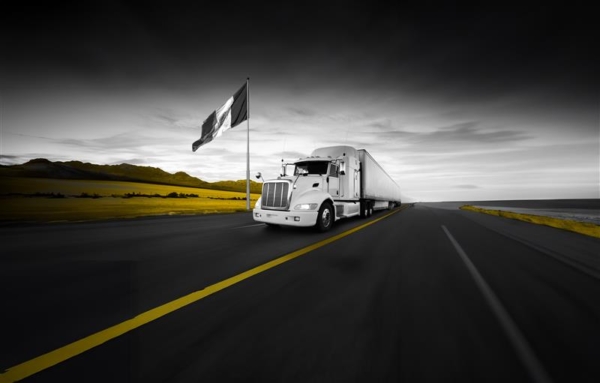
<point>334,182</point>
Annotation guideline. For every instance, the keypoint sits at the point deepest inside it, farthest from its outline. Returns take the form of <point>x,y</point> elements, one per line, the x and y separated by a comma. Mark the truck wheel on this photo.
<point>369,209</point>
<point>325,217</point>
<point>363,209</point>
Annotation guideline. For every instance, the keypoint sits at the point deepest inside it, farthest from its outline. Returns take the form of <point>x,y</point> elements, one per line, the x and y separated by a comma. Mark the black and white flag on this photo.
<point>231,114</point>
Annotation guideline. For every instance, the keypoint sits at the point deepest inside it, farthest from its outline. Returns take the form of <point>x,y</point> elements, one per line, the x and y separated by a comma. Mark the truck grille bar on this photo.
<point>275,195</point>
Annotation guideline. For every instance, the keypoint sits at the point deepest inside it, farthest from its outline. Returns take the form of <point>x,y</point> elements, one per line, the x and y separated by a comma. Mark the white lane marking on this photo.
<point>518,341</point>
<point>242,227</point>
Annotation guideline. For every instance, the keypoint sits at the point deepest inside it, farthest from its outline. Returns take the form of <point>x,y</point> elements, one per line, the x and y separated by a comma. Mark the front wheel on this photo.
<point>325,217</point>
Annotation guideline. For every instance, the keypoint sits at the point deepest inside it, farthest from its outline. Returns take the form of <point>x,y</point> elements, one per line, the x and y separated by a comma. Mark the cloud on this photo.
<point>289,154</point>
<point>29,135</point>
<point>163,117</point>
<point>382,124</point>
<point>166,116</point>
<point>457,138</point>
<point>12,160</point>
<point>129,141</point>
<point>531,170</point>
<point>302,112</point>
<point>211,151</point>
<point>471,132</point>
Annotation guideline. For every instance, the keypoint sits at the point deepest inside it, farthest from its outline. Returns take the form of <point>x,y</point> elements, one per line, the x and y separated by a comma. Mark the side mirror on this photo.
<point>259,176</point>
<point>342,168</point>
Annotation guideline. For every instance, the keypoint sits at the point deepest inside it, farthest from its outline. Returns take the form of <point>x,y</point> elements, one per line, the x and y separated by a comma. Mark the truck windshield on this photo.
<point>311,167</point>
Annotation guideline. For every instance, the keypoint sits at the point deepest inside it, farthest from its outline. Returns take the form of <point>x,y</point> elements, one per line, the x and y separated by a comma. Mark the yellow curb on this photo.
<point>585,228</point>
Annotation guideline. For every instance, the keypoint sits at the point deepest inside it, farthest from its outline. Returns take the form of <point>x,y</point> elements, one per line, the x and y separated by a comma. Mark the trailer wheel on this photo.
<point>363,209</point>
<point>325,217</point>
<point>369,209</point>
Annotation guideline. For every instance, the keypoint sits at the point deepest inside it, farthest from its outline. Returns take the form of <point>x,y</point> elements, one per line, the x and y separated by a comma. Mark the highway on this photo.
<point>424,293</point>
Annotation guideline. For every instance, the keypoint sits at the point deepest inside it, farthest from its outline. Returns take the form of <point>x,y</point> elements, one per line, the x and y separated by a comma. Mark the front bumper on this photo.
<point>290,218</point>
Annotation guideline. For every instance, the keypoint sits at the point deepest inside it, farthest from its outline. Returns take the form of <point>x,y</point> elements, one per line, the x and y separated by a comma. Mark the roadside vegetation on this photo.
<point>47,200</point>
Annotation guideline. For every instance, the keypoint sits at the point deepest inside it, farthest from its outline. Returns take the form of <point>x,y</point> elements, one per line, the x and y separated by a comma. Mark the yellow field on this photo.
<point>586,228</point>
<point>111,205</point>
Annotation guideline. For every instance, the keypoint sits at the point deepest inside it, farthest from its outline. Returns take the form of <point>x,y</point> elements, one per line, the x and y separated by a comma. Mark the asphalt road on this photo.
<point>429,293</point>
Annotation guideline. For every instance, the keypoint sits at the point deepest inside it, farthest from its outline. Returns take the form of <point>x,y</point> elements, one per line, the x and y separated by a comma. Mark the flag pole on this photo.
<point>248,146</point>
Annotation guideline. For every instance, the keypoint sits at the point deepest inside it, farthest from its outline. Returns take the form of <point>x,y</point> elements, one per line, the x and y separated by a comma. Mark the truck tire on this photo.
<point>325,217</point>
<point>369,209</point>
<point>363,209</point>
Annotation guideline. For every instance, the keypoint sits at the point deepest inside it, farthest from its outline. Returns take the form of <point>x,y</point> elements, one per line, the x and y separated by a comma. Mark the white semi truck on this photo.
<point>333,183</point>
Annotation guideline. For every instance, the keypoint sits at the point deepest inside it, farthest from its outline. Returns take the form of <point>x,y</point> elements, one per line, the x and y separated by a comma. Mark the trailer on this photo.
<point>377,187</point>
<point>333,183</point>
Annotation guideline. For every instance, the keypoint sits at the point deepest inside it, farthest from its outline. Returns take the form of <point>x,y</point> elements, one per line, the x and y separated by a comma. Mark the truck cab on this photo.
<point>321,188</point>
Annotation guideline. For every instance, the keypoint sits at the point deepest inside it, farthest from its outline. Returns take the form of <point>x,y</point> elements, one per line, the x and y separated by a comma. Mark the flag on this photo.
<point>231,114</point>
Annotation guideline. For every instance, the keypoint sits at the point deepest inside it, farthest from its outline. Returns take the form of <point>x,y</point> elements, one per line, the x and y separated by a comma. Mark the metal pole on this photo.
<point>248,145</point>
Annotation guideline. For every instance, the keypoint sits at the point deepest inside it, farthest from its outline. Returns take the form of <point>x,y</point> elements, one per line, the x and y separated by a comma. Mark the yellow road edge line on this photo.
<point>585,228</point>
<point>42,362</point>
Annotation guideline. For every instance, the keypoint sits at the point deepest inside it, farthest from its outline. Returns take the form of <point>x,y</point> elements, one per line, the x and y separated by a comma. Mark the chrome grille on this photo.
<point>275,195</point>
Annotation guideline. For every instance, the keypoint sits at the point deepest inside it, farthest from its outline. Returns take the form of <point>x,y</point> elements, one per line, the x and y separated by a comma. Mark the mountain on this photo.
<point>76,170</point>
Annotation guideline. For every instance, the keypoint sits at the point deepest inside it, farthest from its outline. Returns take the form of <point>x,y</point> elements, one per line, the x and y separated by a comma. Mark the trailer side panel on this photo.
<point>376,184</point>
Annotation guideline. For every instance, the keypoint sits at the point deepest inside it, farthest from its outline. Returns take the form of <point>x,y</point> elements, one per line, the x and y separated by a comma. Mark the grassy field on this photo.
<point>47,200</point>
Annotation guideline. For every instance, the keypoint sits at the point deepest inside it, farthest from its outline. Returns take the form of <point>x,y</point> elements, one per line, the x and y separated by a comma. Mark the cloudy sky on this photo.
<point>456,104</point>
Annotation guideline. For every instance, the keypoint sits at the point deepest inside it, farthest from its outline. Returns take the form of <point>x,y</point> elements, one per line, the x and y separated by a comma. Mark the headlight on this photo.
<point>257,204</point>
<point>306,206</point>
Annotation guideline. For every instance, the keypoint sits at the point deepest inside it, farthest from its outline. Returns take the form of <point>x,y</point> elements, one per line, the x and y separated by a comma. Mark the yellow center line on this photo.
<point>42,362</point>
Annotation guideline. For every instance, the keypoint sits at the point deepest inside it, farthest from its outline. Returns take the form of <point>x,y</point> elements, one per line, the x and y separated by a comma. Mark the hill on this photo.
<point>76,170</point>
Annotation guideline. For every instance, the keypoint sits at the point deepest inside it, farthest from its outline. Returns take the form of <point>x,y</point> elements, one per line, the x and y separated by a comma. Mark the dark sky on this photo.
<point>492,70</point>
<point>469,52</point>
